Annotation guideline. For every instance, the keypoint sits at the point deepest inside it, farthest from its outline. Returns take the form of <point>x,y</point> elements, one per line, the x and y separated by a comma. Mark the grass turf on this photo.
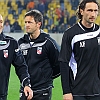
<point>13,90</point>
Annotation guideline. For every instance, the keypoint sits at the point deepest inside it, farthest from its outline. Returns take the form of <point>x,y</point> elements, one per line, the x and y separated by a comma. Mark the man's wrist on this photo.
<point>28,84</point>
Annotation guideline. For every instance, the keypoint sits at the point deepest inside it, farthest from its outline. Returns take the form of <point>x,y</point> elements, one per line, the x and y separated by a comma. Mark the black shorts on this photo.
<point>86,97</point>
<point>39,95</point>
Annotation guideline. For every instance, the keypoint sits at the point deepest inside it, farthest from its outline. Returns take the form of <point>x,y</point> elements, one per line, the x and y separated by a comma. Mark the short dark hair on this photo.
<point>36,14</point>
<point>82,6</point>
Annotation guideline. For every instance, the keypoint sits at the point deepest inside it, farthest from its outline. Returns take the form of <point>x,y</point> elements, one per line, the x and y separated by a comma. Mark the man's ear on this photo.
<point>39,23</point>
<point>81,11</point>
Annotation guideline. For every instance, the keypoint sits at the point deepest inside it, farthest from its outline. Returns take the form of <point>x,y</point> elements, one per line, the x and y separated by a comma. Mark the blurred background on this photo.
<point>58,14</point>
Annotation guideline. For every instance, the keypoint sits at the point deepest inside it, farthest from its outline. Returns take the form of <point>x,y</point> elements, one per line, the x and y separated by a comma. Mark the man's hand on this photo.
<point>28,92</point>
<point>67,96</point>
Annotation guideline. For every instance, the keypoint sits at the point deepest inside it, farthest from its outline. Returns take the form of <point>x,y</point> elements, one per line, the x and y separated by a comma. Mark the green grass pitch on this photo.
<point>13,90</point>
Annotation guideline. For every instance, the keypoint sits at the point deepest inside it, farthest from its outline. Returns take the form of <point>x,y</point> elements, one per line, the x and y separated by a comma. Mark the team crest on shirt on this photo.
<point>98,38</point>
<point>39,50</point>
<point>5,52</point>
